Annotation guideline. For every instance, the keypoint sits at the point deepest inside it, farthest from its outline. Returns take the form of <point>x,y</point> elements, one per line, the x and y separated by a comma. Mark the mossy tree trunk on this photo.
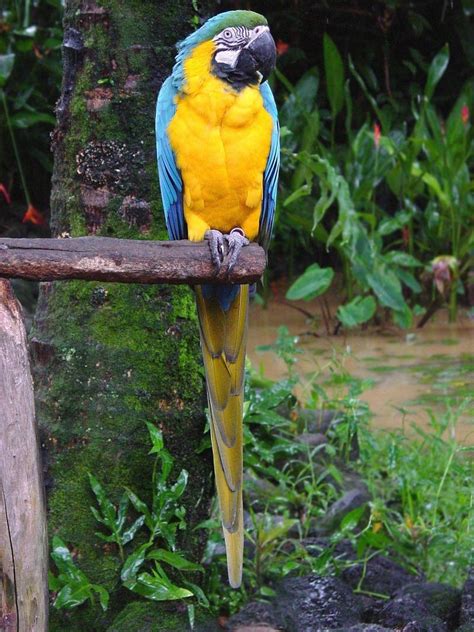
<point>107,358</point>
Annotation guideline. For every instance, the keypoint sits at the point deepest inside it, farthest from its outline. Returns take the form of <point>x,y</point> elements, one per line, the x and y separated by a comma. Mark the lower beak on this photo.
<point>263,50</point>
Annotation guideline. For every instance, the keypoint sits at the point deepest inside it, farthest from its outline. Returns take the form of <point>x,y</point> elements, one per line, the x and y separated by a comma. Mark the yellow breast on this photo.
<point>221,139</point>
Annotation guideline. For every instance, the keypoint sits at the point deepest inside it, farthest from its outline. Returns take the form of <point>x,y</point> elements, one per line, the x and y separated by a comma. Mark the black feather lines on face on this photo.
<point>232,38</point>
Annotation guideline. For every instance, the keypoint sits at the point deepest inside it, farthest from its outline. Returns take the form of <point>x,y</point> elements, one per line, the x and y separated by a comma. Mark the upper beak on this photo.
<point>263,50</point>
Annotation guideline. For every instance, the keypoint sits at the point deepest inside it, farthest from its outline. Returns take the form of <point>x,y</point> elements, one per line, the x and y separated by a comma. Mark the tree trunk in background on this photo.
<point>109,357</point>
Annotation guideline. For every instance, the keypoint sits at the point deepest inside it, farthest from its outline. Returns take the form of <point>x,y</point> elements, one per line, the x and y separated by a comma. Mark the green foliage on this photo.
<point>334,72</point>
<point>142,565</point>
<point>386,200</point>
<point>312,283</point>
<point>71,585</point>
<point>358,311</point>
<point>113,518</point>
<point>30,38</point>
<point>422,495</point>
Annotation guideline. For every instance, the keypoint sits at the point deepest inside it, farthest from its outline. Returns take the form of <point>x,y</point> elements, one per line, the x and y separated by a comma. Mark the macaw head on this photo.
<point>244,52</point>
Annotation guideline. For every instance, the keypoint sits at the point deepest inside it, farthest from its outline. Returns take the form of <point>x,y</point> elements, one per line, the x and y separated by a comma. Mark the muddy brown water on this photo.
<point>407,372</point>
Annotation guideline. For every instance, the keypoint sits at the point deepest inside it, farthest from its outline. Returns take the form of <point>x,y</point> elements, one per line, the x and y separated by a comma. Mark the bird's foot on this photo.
<point>235,240</point>
<point>225,249</point>
<point>217,247</point>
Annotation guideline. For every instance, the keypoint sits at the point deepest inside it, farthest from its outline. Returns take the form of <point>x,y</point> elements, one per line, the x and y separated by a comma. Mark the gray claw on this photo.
<point>235,240</point>
<point>217,246</point>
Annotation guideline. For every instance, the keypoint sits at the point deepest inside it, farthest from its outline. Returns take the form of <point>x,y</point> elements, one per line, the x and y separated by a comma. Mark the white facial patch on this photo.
<point>256,32</point>
<point>228,57</point>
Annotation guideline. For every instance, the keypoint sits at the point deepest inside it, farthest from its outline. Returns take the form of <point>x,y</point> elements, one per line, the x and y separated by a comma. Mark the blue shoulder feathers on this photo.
<point>270,176</point>
<point>171,182</point>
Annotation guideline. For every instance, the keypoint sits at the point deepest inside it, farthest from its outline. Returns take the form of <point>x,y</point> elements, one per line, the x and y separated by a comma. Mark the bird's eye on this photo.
<point>228,34</point>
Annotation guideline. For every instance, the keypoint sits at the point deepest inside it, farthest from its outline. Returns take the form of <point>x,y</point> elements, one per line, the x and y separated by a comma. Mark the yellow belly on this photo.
<point>221,139</point>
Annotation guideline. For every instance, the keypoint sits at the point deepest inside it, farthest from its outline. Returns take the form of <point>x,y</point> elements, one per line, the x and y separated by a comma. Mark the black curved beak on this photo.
<point>263,51</point>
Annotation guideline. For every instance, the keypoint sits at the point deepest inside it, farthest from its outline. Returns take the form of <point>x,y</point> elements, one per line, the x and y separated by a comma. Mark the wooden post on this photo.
<point>23,538</point>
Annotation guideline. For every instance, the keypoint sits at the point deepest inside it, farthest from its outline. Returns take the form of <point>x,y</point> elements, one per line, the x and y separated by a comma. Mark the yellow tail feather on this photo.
<point>223,342</point>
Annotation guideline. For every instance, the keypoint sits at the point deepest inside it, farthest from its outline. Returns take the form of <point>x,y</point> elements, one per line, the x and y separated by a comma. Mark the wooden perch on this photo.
<point>123,260</point>
<point>23,541</point>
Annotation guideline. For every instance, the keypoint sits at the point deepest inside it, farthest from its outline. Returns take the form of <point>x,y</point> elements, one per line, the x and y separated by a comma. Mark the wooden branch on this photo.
<point>123,260</point>
<point>23,540</point>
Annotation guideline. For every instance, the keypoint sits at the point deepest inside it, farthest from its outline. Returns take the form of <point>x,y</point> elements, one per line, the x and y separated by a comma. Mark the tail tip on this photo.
<point>235,577</point>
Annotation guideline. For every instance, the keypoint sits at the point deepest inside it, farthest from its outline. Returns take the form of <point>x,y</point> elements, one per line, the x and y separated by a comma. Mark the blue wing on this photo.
<point>171,183</point>
<point>270,175</point>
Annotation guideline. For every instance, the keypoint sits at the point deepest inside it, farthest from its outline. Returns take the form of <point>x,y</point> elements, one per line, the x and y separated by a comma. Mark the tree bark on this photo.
<point>110,357</point>
<point>23,540</point>
<point>124,260</point>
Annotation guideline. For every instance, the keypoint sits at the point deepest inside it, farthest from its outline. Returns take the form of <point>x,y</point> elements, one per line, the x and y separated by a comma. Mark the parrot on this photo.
<point>218,154</point>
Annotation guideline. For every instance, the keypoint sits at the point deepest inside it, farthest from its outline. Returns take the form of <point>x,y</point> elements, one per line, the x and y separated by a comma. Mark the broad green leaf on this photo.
<point>122,512</point>
<point>266,591</point>
<point>103,596</point>
<point>401,258</point>
<point>334,70</point>
<point>6,67</point>
<point>431,181</point>
<point>352,519</point>
<point>388,226</point>
<point>436,70</point>
<point>72,595</point>
<point>157,589</point>
<point>106,538</point>
<point>156,437</point>
<point>198,593</point>
<point>129,533</point>
<point>403,318</point>
<point>358,311</point>
<point>180,485</point>
<point>63,559</point>
<point>53,582</point>
<point>166,465</point>
<point>107,508</point>
<point>141,507</point>
<point>322,205</point>
<point>408,279</point>
<point>378,112</point>
<point>308,140</point>
<point>302,191</point>
<point>306,89</point>
<point>133,562</point>
<point>173,559</point>
<point>267,536</point>
<point>387,287</point>
<point>313,282</point>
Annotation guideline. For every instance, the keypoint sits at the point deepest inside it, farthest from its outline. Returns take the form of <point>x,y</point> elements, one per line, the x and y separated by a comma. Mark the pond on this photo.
<point>406,373</point>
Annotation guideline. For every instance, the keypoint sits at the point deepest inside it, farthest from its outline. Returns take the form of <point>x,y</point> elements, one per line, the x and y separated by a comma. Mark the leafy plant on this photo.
<point>113,518</point>
<point>71,585</point>
<point>146,545</point>
<point>30,77</point>
<point>162,520</point>
<point>344,194</point>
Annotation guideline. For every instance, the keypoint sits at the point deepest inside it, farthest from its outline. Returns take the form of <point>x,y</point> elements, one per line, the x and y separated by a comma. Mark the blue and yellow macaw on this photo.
<point>218,160</point>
